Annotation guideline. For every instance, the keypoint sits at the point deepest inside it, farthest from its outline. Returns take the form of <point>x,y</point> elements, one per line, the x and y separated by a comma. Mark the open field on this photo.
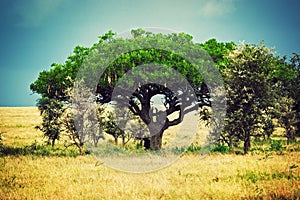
<point>267,175</point>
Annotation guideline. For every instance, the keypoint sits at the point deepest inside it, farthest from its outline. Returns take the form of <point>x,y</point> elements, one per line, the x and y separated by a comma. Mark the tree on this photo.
<point>54,87</point>
<point>78,120</point>
<point>219,52</point>
<point>287,107</point>
<point>112,128</point>
<point>51,110</point>
<point>71,132</point>
<point>250,92</point>
<point>292,86</point>
<point>268,126</point>
<point>287,117</point>
<point>158,82</point>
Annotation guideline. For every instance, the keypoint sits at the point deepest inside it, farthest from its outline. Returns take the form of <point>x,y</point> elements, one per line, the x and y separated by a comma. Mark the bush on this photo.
<point>193,148</point>
<point>276,145</point>
<point>178,150</point>
<point>221,148</point>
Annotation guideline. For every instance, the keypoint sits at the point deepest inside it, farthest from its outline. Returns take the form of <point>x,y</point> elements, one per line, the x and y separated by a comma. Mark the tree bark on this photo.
<point>116,140</point>
<point>147,143</point>
<point>247,145</point>
<point>53,142</point>
<point>80,150</point>
<point>290,135</point>
<point>123,141</point>
<point>156,141</point>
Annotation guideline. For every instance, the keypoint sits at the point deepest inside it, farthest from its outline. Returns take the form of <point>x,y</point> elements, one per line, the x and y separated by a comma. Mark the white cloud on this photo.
<point>215,8</point>
<point>31,13</point>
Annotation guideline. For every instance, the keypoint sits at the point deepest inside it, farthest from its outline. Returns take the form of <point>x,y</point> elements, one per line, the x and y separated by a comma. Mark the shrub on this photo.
<point>221,148</point>
<point>276,145</point>
<point>193,148</point>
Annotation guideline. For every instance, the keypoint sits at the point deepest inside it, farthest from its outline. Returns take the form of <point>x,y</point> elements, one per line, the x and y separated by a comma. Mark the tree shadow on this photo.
<point>36,149</point>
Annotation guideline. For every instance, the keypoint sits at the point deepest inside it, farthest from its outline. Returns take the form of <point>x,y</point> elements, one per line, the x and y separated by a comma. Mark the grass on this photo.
<point>57,175</point>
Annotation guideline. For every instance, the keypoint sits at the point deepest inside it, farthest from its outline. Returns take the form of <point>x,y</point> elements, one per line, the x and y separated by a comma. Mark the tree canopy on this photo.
<point>188,87</point>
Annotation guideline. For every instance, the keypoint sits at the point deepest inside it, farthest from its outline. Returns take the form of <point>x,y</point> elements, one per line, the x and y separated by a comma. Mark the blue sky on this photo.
<point>36,33</point>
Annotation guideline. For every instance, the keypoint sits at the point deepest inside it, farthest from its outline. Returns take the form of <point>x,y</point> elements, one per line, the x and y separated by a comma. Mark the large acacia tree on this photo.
<point>57,82</point>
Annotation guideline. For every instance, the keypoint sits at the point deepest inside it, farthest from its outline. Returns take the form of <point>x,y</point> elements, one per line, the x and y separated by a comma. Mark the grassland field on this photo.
<point>61,174</point>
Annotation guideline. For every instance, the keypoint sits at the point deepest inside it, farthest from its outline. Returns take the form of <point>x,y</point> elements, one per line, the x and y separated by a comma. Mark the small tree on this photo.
<point>82,119</point>
<point>51,110</point>
<point>287,117</point>
<point>268,127</point>
<point>249,92</point>
<point>79,129</point>
<point>287,109</point>
<point>54,86</point>
<point>291,86</point>
<point>111,127</point>
<point>71,133</point>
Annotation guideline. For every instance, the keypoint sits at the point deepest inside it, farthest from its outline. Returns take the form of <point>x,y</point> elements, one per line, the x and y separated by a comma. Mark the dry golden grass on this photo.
<point>18,124</point>
<point>214,176</point>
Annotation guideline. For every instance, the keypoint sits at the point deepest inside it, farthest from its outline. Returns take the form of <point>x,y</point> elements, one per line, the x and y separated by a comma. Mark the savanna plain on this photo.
<point>31,170</point>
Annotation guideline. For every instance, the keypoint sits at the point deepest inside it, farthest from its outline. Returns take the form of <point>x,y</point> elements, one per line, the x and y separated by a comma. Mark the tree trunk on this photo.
<point>116,141</point>
<point>247,145</point>
<point>290,135</point>
<point>123,141</point>
<point>53,142</point>
<point>80,150</point>
<point>147,143</point>
<point>230,144</point>
<point>155,141</point>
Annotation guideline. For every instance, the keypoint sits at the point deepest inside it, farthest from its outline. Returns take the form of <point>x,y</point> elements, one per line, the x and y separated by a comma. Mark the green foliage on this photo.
<point>260,86</point>
<point>276,145</point>
<point>250,93</point>
<point>287,109</point>
<point>223,149</point>
<point>287,117</point>
<point>178,150</point>
<point>193,148</point>
<point>51,110</point>
<point>112,128</point>
<point>219,51</point>
<point>268,127</point>
<point>54,87</point>
<point>56,83</point>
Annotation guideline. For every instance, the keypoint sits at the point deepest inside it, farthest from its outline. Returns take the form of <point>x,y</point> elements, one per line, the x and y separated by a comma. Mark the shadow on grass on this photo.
<point>36,149</point>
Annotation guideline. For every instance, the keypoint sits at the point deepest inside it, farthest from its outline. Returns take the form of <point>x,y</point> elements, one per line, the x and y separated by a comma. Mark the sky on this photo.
<point>36,33</point>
